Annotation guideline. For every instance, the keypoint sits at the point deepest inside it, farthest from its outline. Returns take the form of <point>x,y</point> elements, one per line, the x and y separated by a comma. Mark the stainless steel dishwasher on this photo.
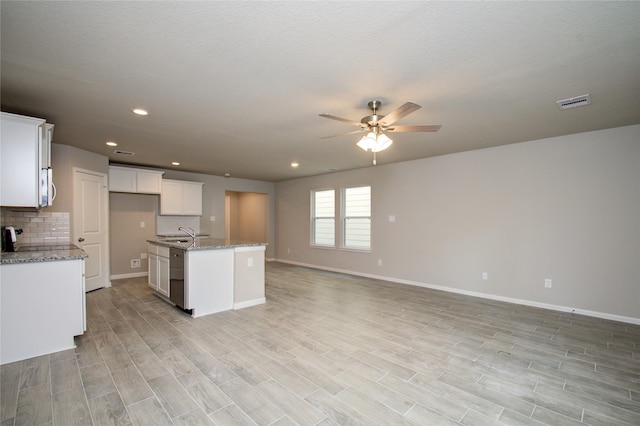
<point>176,277</point>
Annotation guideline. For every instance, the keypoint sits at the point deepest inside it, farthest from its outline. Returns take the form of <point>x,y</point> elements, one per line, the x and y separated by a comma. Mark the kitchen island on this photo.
<point>207,275</point>
<point>42,300</point>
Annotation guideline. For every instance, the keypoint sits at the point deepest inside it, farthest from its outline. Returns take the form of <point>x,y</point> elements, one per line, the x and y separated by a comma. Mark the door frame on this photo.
<point>104,212</point>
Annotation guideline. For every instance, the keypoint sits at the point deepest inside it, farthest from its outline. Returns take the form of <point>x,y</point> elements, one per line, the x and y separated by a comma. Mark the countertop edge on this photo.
<point>21,258</point>
<point>206,244</point>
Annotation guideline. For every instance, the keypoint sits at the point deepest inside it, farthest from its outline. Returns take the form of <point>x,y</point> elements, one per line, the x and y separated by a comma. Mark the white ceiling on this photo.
<point>236,87</point>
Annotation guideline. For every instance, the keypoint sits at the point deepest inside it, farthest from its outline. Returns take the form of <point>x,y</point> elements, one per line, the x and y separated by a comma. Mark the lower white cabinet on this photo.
<point>158,268</point>
<point>42,307</point>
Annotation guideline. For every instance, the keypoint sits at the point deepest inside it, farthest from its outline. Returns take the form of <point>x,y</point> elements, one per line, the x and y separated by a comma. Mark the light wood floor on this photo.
<point>331,349</point>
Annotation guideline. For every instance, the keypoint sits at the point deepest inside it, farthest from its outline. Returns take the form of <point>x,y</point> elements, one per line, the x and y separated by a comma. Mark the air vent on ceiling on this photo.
<point>575,102</point>
<point>119,152</point>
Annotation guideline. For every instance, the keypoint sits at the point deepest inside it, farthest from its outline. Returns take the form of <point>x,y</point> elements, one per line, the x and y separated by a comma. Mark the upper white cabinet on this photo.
<point>128,179</point>
<point>25,153</point>
<point>181,198</point>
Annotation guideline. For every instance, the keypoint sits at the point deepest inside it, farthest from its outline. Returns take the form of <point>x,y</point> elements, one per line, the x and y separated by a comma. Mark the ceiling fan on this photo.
<point>376,125</point>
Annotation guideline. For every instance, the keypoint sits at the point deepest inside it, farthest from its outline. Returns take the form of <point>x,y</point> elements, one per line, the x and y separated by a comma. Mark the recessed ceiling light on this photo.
<point>112,144</point>
<point>175,163</point>
<point>140,111</point>
<point>295,164</point>
<point>227,175</point>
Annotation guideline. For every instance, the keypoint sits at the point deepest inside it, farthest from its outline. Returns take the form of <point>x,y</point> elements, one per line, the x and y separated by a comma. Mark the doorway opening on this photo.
<point>246,216</point>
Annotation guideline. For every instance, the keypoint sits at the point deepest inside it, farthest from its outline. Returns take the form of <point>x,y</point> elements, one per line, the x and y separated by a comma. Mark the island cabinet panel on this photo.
<point>209,281</point>
<point>248,277</point>
<point>158,277</point>
<point>42,307</point>
<point>153,271</point>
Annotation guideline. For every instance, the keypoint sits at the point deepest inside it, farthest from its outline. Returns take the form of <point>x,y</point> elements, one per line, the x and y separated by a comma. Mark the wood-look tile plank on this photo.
<point>296,408</point>
<point>315,375</point>
<point>244,368</point>
<point>35,371</point>
<point>97,381</point>
<point>109,409</point>
<point>257,407</point>
<point>288,378</point>
<point>193,418</point>
<point>206,394</point>
<point>34,405</point>
<point>87,353</point>
<point>392,399</point>
<point>149,412</point>
<point>149,364</point>
<point>131,385</point>
<point>172,395</point>
<point>70,408</point>
<point>373,408</point>
<point>132,342</point>
<point>231,415</point>
<point>9,386</point>
<point>337,410</point>
<point>65,375</point>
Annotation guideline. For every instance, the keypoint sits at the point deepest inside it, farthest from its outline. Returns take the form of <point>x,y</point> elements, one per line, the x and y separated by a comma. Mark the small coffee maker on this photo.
<point>9,238</point>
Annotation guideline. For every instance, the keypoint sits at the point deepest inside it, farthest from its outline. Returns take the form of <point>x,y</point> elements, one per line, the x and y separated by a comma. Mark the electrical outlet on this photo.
<point>547,283</point>
<point>135,263</point>
<point>485,276</point>
<point>379,262</point>
<point>142,224</point>
<point>143,256</point>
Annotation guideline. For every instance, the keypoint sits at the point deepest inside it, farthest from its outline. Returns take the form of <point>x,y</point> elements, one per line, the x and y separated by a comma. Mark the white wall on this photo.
<point>565,208</point>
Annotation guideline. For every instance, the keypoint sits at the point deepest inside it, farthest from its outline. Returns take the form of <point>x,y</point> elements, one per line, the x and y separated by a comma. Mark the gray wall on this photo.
<point>249,213</point>
<point>63,159</point>
<point>128,239</point>
<point>565,208</point>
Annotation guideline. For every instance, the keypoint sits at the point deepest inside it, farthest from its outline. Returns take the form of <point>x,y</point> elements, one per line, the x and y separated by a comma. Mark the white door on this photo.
<point>90,225</point>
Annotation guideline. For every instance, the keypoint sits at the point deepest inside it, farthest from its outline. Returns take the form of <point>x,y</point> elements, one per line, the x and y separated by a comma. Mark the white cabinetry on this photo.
<point>127,179</point>
<point>25,150</point>
<point>181,198</point>
<point>159,268</point>
<point>42,307</point>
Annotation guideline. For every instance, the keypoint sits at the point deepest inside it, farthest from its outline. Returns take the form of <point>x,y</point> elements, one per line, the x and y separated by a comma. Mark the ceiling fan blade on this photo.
<point>344,120</point>
<point>342,134</point>
<point>396,115</point>
<point>428,128</point>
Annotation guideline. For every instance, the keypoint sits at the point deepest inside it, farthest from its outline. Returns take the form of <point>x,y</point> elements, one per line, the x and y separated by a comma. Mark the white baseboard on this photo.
<point>249,303</point>
<point>132,275</point>
<point>595,314</point>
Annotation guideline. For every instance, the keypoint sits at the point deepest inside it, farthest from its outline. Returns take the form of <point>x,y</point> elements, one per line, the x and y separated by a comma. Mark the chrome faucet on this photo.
<point>189,231</point>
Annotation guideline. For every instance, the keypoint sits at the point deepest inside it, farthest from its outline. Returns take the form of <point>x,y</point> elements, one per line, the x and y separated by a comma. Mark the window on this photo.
<point>324,221</point>
<point>357,218</point>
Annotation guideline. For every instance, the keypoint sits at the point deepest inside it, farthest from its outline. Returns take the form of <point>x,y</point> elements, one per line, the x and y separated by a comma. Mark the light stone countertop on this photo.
<point>29,253</point>
<point>188,243</point>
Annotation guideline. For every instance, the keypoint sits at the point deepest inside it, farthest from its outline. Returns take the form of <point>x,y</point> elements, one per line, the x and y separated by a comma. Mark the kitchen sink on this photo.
<point>176,240</point>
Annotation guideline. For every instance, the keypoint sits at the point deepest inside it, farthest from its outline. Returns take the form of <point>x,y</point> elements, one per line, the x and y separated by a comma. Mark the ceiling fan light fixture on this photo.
<point>375,143</point>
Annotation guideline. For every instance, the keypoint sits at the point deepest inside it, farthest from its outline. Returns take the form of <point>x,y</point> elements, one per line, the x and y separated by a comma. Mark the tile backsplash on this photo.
<point>39,226</point>
<point>168,225</point>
